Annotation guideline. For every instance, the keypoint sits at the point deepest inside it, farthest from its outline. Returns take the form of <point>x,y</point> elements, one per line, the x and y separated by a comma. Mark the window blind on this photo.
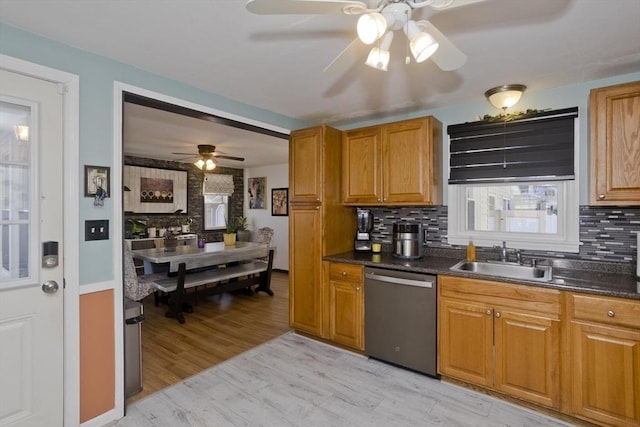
<point>534,148</point>
<point>218,184</point>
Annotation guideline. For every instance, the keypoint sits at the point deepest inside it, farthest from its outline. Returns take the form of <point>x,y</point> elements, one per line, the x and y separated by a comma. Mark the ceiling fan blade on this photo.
<point>220,156</point>
<point>306,7</point>
<point>450,4</point>
<point>186,154</point>
<point>448,57</point>
<point>345,59</point>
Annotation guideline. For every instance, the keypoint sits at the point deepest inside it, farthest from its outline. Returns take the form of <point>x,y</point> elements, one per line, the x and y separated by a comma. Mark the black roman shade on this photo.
<point>536,147</point>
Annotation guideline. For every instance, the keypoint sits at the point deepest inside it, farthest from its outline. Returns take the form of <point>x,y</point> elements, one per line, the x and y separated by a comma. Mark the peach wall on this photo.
<point>97,354</point>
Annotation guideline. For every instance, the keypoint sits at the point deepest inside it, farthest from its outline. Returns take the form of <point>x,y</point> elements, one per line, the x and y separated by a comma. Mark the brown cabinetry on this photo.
<point>605,359</point>
<point>615,145</point>
<point>319,224</point>
<point>346,304</point>
<point>397,163</point>
<point>502,336</point>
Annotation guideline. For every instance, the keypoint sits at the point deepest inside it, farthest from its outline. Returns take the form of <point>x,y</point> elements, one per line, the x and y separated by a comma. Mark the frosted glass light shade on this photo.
<point>208,164</point>
<point>423,46</point>
<point>378,58</point>
<point>503,97</point>
<point>371,27</point>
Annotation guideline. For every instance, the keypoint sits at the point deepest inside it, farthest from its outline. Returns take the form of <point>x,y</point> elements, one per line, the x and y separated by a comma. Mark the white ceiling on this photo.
<point>276,62</point>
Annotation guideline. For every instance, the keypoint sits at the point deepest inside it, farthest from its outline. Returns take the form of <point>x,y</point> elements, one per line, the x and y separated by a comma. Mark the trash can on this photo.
<point>133,318</point>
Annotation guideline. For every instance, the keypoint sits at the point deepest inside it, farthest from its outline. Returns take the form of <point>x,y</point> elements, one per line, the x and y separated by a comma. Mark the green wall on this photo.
<point>97,75</point>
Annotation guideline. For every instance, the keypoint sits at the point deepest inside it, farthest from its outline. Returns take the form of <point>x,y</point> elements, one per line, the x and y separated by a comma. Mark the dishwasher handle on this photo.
<point>400,280</point>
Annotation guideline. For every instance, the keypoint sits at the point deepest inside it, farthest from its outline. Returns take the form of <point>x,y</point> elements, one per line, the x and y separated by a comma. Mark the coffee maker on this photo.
<point>362,242</point>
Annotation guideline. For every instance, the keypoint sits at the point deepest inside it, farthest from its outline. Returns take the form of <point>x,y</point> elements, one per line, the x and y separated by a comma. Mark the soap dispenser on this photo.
<point>471,251</point>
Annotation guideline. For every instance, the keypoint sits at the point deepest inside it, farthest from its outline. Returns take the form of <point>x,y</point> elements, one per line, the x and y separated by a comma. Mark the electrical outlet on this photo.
<point>97,229</point>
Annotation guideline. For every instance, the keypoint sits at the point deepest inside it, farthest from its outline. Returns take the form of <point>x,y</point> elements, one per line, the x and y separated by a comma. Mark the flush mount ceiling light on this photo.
<point>505,96</point>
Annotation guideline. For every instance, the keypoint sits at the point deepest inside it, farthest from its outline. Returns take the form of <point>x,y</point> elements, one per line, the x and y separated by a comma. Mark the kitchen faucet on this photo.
<point>503,251</point>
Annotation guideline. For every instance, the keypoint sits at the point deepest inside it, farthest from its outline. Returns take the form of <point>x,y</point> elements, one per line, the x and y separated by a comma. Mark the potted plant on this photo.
<point>229,235</point>
<point>243,233</point>
<point>186,225</point>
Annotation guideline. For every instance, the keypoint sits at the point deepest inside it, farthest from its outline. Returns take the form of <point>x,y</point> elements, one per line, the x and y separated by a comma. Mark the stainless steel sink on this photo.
<point>505,269</point>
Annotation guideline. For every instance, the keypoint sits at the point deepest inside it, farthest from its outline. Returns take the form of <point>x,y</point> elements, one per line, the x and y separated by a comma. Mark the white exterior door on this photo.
<point>31,220</point>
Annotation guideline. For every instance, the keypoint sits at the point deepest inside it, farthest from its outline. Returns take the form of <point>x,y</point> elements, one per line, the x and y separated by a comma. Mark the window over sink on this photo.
<point>516,182</point>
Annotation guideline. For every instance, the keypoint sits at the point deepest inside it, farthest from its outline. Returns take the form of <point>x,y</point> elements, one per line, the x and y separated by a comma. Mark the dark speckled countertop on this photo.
<point>601,278</point>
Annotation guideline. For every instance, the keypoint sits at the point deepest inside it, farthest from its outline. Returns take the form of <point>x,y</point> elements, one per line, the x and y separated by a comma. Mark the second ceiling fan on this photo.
<point>378,21</point>
<point>207,154</point>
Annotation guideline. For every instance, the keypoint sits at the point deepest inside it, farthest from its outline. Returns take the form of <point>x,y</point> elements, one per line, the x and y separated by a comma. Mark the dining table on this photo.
<point>168,259</point>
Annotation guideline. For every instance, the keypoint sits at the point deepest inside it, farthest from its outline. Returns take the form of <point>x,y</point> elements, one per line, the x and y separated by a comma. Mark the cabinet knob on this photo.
<point>611,313</point>
<point>497,314</point>
<point>344,273</point>
<point>317,208</point>
<point>358,289</point>
<point>601,196</point>
<point>488,312</point>
<point>379,199</point>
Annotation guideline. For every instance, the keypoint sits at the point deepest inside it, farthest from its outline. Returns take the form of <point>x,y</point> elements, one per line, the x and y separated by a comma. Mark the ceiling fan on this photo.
<point>207,154</point>
<point>378,21</point>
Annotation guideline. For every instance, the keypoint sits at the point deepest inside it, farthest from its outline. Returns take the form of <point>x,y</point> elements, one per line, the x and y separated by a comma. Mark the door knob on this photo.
<point>50,287</point>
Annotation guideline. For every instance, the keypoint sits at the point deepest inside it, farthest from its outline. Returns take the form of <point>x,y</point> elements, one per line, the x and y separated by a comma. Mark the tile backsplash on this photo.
<point>606,234</point>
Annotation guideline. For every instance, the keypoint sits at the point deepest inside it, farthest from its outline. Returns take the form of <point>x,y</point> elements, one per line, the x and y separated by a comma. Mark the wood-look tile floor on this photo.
<point>295,381</point>
<point>221,327</point>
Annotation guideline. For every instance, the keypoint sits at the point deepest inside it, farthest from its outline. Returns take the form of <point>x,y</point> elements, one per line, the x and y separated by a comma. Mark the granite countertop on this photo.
<point>601,278</point>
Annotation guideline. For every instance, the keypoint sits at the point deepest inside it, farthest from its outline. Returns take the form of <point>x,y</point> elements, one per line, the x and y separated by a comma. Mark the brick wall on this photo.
<point>195,200</point>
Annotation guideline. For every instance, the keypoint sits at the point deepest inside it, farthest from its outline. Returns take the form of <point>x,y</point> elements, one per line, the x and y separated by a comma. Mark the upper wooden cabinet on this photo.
<point>306,166</point>
<point>615,145</point>
<point>397,163</point>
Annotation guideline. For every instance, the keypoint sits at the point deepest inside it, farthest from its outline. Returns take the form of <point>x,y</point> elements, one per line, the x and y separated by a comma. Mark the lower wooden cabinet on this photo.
<point>346,304</point>
<point>605,359</point>
<point>501,336</point>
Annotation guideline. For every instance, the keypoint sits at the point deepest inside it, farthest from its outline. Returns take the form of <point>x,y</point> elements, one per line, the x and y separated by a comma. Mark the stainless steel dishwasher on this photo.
<point>400,318</point>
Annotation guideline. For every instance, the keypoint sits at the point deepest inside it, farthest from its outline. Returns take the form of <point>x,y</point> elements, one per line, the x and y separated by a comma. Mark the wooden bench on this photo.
<point>223,279</point>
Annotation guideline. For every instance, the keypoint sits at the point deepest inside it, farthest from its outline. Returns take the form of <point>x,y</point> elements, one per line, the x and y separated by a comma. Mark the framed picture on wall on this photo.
<point>96,177</point>
<point>154,190</point>
<point>280,202</point>
<point>257,193</point>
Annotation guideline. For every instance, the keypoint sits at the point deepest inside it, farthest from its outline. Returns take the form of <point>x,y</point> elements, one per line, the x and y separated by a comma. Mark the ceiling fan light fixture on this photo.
<point>371,26</point>
<point>423,46</point>
<point>505,96</point>
<point>199,164</point>
<point>209,164</point>
<point>379,56</point>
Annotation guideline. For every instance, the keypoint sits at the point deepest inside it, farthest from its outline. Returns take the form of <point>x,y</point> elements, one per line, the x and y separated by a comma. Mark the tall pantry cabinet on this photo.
<point>319,224</point>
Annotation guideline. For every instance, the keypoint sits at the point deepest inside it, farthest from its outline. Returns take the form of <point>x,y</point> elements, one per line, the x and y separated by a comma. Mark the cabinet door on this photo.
<point>406,162</point>
<point>305,275</point>
<point>615,145</point>
<point>346,303</point>
<point>361,173</point>
<point>466,341</point>
<point>606,373</point>
<point>304,165</point>
<point>527,349</point>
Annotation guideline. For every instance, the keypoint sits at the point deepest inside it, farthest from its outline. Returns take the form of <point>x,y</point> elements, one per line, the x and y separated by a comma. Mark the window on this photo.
<point>516,182</point>
<point>215,211</point>
<point>532,215</point>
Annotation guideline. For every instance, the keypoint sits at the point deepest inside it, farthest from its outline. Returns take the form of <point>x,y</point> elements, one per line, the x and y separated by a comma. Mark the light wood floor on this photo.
<point>221,327</point>
<point>296,381</point>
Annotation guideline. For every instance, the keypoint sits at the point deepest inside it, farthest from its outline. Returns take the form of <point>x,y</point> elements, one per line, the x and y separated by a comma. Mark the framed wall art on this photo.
<point>154,190</point>
<point>257,193</point>
<point>96,177</point>
<point>280,202</point>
